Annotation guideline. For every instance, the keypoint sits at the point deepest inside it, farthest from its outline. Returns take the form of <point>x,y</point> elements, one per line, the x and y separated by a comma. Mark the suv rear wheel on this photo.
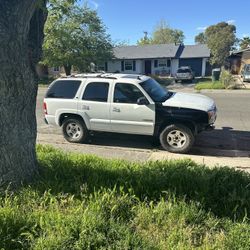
<point>74,130</point>
<point>177,138</point>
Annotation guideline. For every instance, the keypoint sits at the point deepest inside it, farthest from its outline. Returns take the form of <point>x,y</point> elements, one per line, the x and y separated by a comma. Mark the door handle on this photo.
<point>116,110</point>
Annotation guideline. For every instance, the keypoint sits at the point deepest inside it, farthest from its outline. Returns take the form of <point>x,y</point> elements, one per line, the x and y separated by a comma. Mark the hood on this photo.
<point>190,101</point>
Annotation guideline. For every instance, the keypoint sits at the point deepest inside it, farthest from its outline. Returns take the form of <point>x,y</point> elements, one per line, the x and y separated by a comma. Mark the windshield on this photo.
<point>248,68</point>
<point>155,90</point>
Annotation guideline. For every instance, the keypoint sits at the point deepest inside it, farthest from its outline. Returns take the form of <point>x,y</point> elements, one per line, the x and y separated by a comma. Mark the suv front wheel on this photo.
<point>177,138</point>
<point>74,130</point>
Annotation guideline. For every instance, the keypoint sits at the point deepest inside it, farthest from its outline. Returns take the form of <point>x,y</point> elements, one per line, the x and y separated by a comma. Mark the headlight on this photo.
<point>211,116</point>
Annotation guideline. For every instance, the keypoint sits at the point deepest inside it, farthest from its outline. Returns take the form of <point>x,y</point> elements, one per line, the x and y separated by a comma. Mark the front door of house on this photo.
<point>148,66</point>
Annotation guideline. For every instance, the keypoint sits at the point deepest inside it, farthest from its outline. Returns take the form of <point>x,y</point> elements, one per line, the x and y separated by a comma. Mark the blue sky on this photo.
<point>126,19</point>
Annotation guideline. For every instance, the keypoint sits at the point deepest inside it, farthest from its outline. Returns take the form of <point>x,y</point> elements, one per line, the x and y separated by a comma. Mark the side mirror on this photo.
<point>142,101</point>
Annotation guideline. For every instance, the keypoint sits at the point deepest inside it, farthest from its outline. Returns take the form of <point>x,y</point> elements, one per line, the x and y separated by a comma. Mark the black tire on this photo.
<point>74,130</point>
<point>175,142</point>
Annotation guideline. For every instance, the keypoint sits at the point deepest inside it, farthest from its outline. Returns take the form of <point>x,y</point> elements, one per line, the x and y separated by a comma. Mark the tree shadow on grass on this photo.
<point>222,190</point>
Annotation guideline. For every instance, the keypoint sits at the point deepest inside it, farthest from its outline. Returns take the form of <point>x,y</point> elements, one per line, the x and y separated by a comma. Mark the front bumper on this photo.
<point>204,127</point>
<point>209,127</point>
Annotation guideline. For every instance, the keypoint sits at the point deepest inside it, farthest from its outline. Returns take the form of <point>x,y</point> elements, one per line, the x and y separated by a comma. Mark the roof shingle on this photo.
<point>195,51</point>
<point>146,51</point>
<point>162,51</point>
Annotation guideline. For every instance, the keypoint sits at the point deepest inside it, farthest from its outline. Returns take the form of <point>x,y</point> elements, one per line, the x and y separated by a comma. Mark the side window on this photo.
<point>96,91</point>
<point>126,93</point>
<point>63,89</point>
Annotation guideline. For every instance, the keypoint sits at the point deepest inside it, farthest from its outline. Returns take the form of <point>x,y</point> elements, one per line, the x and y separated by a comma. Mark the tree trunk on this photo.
<point>67,69</point>
<point>18,91</point>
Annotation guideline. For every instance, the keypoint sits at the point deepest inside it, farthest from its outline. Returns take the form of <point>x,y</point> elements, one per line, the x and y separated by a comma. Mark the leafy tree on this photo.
<point>220,40</point>
<point>120,43</point>
<point>145,40</point>
<point>21,36</point>
<point>74,36</point>
<point>201,38</point>
<point>245,43</point>
<point>164,34</point>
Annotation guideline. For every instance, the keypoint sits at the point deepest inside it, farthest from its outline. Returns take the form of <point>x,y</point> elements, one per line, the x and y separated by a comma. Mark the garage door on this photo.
<point>194,63</point>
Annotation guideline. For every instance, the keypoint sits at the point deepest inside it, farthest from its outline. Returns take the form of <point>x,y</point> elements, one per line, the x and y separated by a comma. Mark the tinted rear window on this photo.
<point>96,91</point>
<point>183,71</point>
<point>63,89</point>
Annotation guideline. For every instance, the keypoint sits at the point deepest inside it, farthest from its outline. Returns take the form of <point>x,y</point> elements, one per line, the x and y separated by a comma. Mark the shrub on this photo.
<point>227,79</point>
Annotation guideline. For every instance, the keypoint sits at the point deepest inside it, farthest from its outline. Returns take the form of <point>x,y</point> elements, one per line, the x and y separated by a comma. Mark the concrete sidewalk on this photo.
<point>242,163</point>
<point>141,155</point>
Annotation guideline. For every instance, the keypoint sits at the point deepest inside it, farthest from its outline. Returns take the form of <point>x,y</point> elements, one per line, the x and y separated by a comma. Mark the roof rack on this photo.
<point>92,75</point>
<point>131,76</point>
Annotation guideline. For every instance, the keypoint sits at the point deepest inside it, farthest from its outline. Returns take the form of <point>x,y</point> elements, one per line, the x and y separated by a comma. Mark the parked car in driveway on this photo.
<point>130,104</point>
<point>184,74</point>
<point>245,73</point>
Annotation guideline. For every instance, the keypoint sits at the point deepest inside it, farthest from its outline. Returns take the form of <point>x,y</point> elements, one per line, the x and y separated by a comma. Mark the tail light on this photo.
<point>45,108</point>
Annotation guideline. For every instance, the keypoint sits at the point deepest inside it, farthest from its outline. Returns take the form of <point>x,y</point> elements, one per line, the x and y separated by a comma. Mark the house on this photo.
<point>238,59</point>
<point>157,59</point>
<point>161,59</point>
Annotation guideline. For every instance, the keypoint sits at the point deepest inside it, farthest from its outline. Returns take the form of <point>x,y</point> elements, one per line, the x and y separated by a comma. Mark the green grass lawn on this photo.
<point>85,202</point>
<point>209,85</point>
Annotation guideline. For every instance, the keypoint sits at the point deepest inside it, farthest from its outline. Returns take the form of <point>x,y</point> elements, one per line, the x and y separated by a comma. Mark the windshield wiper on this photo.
<point>167,96</point>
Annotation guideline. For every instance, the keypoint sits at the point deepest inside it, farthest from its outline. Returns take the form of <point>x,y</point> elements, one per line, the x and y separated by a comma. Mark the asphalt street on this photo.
<point>230,138</point>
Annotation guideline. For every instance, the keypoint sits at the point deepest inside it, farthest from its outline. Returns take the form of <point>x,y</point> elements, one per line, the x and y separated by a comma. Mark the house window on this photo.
<point>162,63</point>
<point>103,67</point>
<point>128,65</point>
<point>56,69</point>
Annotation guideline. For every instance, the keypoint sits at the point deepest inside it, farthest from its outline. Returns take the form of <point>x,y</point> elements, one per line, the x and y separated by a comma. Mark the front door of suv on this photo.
<point>126,115</point>
<point>94,105</point>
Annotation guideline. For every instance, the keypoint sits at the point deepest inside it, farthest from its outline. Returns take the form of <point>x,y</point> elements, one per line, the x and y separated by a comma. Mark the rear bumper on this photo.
<point>189,77</point>
<point>45,120</point>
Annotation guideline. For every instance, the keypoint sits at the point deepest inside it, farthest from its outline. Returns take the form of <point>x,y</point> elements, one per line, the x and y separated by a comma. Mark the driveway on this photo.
<point>230,139</point>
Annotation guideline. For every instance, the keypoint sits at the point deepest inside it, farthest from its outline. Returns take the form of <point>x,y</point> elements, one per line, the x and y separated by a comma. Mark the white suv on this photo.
<point>131,104</point>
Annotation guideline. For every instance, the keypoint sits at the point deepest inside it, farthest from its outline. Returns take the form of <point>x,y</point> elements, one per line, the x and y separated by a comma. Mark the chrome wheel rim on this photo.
<point>73,130</point>
<point>176,139</point>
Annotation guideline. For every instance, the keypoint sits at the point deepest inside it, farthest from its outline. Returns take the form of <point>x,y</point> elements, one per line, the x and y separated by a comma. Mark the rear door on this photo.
<point>94,104</point>
<point>126,115</point>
